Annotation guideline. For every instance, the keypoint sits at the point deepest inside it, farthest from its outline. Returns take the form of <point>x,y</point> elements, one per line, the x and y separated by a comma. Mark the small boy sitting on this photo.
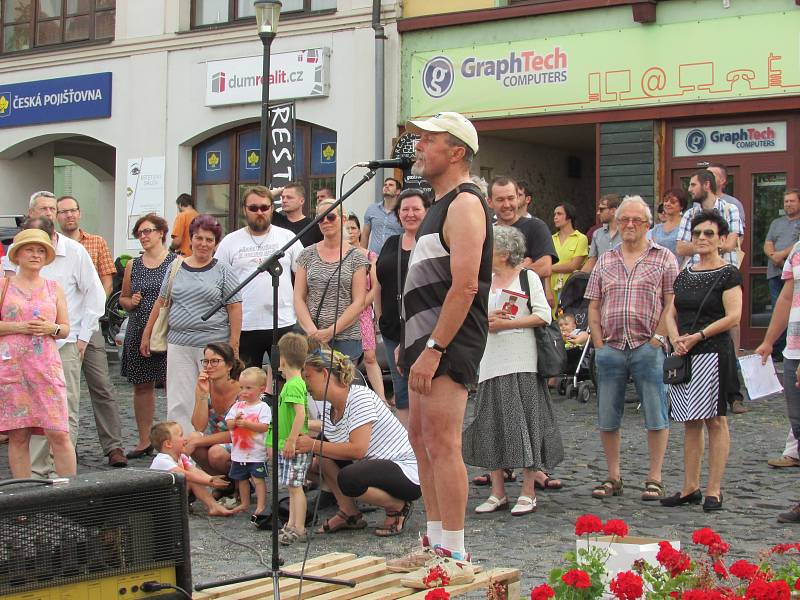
<point>573,337</point>
<point>167,438</point>
<point>247,420</point>
<point>292,421</point>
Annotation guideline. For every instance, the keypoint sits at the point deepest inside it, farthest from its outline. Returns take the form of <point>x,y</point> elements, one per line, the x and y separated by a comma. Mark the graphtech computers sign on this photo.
<point>638,66</point>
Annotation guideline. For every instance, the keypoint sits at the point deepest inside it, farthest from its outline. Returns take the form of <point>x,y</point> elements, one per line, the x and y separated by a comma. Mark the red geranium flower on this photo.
<point>706,537</point>
<point>744,570</point>
<point>436,577</point>
<point>761,589</point>
<point>615,527</point>
<point>718,549</point>
<point>577,578</point>
<point>694,595</point>
<point>588,524</point>
<point>672,560</point>
<point>543,592</point>
<point>627,585</point>
<point>437,594</point>
<point>784,548</point>
<point>797,584</point>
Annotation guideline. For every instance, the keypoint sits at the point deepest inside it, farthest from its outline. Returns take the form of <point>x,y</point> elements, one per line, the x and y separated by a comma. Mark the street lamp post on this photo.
<point>268,14</point>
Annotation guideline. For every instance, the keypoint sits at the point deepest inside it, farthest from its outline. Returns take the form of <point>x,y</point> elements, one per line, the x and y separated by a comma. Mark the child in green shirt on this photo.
<point>292,420</point>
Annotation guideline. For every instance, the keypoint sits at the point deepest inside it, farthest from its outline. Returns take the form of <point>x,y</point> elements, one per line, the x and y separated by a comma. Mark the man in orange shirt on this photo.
<point>180,229</point>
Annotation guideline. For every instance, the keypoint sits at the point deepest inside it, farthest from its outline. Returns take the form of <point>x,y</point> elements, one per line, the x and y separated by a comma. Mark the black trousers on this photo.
<point>254,344</point>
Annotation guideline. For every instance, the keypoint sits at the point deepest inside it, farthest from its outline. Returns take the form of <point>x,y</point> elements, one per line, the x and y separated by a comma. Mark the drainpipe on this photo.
<point>380,74</point>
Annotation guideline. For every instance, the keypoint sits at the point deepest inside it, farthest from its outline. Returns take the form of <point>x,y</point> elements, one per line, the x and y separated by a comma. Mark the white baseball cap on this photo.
<point>453,123</point>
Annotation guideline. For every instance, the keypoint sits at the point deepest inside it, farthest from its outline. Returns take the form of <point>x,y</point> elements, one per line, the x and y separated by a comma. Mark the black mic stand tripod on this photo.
<point>272,265</point>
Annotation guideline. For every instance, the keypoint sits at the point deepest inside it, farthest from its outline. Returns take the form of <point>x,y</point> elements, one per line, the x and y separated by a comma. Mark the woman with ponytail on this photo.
<point>216,391</point>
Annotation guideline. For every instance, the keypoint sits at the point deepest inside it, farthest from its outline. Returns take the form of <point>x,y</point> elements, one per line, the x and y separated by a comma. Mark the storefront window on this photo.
<point>29,24</point>
<point>207,13</point>
<point>768,191</point>
<point>228,163</point>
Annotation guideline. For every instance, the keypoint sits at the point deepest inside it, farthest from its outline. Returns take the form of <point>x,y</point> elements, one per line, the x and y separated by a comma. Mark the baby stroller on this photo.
<point>578,379</point>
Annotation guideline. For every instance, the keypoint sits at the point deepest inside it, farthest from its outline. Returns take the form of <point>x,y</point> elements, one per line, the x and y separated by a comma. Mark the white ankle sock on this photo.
<point>434,533</point>
<point>453,540</point>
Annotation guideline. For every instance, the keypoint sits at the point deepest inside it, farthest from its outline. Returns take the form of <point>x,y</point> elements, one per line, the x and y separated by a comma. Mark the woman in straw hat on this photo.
<point>33,315</point>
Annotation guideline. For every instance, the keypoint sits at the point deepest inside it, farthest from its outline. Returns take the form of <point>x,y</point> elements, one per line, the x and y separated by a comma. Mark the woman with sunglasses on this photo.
<point>200,283</point>
<point>707,305</point>
<point>140,286</point>
<point>328,292</point>
<point>216,391</point>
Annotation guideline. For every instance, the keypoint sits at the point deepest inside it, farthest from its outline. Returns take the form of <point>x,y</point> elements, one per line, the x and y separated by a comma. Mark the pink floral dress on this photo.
<point>32,389</point>
<point>366,319</point>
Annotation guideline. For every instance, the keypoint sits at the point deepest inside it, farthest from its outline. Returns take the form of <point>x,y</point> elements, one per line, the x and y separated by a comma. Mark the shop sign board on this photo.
<point>76,98</point>
<point>730,139</point>
<point>299,74</point>
<point>144,191</point>
<point>651,65</point>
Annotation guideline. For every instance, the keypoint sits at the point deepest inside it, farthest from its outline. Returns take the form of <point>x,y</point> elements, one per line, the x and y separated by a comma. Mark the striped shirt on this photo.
<point>194,291</point>
<point>729,212</point>
<point>631,303</point>
<point>388,440</point>
<point>791,272</point>
<point>427,283</point>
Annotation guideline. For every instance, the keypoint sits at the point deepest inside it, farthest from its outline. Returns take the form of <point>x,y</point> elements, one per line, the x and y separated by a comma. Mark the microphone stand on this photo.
<point>273,266</point>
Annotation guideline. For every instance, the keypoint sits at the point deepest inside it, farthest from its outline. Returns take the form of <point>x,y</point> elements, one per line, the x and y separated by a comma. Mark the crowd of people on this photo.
<point>457,287</point>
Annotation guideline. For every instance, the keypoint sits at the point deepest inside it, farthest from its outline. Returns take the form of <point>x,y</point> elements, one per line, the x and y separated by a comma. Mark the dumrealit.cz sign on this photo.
<point>56,100</point>
<point>730,139</point>
<point>293,75</point>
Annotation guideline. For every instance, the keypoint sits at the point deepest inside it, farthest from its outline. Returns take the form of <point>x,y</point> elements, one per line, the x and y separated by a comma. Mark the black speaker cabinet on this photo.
<point>97,537</point>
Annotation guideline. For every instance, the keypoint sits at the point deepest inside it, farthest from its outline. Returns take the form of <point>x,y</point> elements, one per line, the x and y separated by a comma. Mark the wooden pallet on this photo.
<point>374,582</point>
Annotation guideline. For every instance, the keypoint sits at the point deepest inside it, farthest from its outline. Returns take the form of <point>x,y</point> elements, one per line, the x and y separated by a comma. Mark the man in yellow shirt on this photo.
<point>180,229</point>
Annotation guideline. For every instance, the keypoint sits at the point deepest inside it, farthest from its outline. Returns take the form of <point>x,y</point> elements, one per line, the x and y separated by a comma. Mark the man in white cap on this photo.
<point>445,329</point>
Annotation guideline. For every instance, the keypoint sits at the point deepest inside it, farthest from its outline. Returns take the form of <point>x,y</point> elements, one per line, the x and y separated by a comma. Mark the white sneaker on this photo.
<point>442,570</point>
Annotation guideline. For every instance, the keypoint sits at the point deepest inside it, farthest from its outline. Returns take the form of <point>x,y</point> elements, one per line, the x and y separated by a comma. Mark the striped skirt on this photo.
<point>705,396</point>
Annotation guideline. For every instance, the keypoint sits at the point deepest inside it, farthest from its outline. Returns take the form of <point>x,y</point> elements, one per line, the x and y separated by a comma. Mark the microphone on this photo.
<point>404,162</point>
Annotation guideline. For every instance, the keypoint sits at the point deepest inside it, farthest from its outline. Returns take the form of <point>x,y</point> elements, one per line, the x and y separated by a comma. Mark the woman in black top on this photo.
<point>410,210</point>
<point>701,330</point>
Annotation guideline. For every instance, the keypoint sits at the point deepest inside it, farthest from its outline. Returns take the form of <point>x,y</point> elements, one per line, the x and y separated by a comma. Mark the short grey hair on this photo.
<point>36,195</point>
<point>510,239</point>
<point>469,153</point>
<point>629,200</point>
<point>480,182</point>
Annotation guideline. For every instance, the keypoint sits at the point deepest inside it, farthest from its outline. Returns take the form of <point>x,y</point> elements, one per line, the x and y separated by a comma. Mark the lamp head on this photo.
<point>268,13</point>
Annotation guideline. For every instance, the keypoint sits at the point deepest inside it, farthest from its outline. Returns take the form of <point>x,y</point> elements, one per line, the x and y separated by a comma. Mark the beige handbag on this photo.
<point>158,337</point>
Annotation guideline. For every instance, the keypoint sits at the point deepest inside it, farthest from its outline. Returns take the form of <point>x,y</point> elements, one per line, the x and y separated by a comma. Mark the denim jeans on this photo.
<point>645,366</point>
<point>775,287</point>
<point>399,382</point>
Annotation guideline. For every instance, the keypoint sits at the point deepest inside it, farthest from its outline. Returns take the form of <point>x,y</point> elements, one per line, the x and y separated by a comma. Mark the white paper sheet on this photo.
<point>759,379</point>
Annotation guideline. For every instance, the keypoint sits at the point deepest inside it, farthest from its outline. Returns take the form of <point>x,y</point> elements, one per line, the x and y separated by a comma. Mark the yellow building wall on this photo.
<point>418,8</point>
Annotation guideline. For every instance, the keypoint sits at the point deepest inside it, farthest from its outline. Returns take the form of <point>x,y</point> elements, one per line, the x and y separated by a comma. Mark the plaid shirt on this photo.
<point>731,215</point>
<point>631,303</point>
<point>98,249</point>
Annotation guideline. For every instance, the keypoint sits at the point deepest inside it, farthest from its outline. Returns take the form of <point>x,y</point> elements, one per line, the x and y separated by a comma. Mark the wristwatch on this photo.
<point>433,345</point>
<point>57,331</point>
<point>661,340</point>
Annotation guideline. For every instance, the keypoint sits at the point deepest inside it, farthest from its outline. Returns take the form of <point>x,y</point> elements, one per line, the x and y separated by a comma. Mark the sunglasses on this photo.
<point>145,231</point>
<point>709,233</point>
<point>330,217</point>
<point>259,207</point>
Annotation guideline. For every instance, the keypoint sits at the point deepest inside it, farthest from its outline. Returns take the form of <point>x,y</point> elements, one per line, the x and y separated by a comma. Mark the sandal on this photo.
<point>653,490</point>
<point>610,487</point>
<point>485,479</point>
<point>492,504</point>
<point>398,521</point>
<point>548,484</point>
<point>289,535</point>
<point>355,521</point>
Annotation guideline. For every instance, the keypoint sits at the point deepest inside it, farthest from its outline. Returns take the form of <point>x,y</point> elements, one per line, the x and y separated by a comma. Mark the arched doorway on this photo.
<point>221,169</point>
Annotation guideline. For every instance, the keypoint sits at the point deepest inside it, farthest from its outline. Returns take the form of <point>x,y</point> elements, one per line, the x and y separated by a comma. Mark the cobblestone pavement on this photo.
<point>754,494</point>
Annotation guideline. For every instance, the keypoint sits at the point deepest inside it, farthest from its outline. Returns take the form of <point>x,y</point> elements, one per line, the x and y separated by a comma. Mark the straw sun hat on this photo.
<point>32,236</point>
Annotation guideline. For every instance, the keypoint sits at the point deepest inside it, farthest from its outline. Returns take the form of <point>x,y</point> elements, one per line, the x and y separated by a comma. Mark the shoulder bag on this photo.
<point>158,337</point>
<point>551,356</point>
<point>328,284</point>
<point>678,369</point>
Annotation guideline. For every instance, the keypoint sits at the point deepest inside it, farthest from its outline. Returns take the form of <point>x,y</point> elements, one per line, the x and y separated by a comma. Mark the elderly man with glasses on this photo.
<point>628,291</point>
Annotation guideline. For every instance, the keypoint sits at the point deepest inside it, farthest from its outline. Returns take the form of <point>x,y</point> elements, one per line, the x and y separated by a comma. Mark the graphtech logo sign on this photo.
<point>437,76</point>
<point>695,141</point>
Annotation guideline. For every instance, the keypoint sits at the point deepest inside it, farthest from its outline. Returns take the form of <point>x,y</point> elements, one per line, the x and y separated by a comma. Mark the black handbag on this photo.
<point>678,369</point>
<point>551,356</point>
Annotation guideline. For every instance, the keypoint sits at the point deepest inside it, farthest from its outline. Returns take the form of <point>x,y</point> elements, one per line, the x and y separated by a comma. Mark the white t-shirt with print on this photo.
<point>243,253</point>
<point>164,462</point>
<point>248,445</point>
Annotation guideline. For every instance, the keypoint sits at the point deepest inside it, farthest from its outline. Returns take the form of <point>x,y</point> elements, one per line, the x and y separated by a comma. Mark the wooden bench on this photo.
<point>374,582</point>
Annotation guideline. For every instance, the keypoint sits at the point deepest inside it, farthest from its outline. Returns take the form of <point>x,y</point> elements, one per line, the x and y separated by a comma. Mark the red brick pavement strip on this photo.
<point>754,494</point>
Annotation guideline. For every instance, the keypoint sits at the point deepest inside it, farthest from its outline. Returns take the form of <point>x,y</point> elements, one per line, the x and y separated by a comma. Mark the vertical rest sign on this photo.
<point>280,169</point>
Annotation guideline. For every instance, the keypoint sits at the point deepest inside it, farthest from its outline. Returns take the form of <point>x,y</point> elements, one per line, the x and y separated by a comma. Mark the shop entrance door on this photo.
<point>758,182</point>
